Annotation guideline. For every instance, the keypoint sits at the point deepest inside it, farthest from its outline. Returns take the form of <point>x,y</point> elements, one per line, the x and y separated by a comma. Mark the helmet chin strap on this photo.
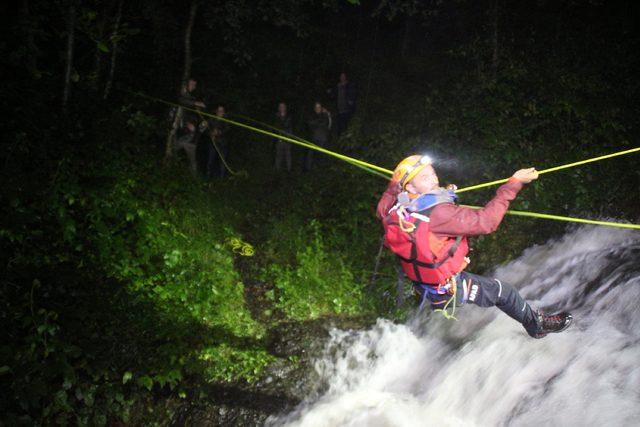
<point>416,194</point>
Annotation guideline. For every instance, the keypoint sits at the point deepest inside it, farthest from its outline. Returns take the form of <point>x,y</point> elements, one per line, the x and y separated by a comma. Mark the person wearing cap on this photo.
<point>428,232</point>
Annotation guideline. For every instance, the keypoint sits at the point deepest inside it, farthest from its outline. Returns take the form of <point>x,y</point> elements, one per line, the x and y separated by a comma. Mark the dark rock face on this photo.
<point>284,384</point>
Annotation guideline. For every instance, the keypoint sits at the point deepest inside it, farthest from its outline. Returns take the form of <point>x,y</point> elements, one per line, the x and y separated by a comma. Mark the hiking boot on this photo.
<point>550,324</point>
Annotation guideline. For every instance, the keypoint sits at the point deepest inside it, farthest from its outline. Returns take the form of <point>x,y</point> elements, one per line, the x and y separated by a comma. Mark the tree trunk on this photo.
<point>185,76</point>
<point>187,46</point>
<point>28,25</point>
<point>100,25</point>
<point>356,39</point>
<point>71,26</point>
<point>365,102</point>
<point>494,39</point>
<point>406,37</point>
<point>114,50</point>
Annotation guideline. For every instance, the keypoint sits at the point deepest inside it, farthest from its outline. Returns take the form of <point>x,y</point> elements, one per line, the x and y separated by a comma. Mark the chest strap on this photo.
<point>414,252</point>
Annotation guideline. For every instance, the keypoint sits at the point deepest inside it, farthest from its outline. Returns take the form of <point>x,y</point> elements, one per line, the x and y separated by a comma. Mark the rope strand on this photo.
<point>386,173</point>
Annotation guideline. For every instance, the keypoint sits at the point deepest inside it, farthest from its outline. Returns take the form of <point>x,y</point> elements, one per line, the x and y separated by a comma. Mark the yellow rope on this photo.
<point>443,310</point>
<point>553,169</point>
<point>275,135</point>
<point>283,132</point>
<point>240,247</point>
<point>566,218</point>
<point>369,167</point>
<point>224,162</point>
<point>445,313</point>
<point>213,142</point>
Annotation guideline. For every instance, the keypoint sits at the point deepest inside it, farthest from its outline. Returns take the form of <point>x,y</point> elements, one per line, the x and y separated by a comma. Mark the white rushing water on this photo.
<point>484,370</point>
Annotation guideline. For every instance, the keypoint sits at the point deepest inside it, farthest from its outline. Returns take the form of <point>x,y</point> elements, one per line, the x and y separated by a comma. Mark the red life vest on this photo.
<point>425,258</point>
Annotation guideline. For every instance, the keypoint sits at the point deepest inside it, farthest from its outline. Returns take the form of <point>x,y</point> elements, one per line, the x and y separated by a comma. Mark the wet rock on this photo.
<point>285,383</point>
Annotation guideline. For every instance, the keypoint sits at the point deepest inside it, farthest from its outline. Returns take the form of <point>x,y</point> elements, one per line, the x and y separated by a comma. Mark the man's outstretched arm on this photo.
<point>452,220</point>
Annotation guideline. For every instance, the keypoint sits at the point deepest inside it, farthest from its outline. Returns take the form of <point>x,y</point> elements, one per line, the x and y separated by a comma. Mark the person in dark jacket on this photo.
<point>218,146</point>
<point>188,131</point>
<point>283,149</point>
<point>428,232</point>
<point>189,100</point>
<point>345,96</point>
<point>319,127</point>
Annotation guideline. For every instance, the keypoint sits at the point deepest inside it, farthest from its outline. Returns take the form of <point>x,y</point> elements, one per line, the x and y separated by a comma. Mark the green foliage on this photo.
<point>119,288</point>
<point>137,271</point>
<point>141,125</point>
<point>319,284</point>
<point>51,378</point>
<point>225,363</point>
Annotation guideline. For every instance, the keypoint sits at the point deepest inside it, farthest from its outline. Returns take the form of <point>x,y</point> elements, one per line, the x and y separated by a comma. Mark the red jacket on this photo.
<point>450,220</point>
<point>433,251</point>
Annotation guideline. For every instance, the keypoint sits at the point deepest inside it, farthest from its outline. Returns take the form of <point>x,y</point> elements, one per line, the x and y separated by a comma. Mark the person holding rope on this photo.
<point>188,126</point>
<point>428,232</point>
<point>218,149</point>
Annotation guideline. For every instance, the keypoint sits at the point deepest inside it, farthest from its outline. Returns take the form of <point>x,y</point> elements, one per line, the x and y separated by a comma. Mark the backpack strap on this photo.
<point>420,217</point>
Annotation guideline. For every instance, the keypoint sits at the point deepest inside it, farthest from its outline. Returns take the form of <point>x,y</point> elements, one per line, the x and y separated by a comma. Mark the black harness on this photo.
<point>416,264</point>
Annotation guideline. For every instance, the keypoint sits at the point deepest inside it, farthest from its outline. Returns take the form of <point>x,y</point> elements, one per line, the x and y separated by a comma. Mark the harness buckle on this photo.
<point>451,284</point>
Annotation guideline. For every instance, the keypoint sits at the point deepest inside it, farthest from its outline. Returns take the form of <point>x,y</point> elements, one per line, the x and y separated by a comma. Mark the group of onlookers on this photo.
<point>201,138</point>
<point>204,139</point>
<point>319,123</point>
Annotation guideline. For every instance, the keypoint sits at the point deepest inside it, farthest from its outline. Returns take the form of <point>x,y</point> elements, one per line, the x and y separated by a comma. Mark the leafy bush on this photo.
<point>319,284</point>
<point>121,285</point>
<point>225,363</point>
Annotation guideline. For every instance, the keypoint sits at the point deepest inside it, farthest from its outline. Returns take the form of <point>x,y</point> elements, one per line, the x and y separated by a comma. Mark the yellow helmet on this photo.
<point>408,168</point>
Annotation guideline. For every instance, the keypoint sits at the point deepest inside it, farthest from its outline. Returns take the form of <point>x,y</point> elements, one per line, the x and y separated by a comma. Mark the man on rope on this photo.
<point>428,232</point>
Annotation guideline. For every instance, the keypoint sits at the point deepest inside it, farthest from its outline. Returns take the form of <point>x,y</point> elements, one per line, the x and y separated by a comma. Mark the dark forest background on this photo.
<point>123,295</point>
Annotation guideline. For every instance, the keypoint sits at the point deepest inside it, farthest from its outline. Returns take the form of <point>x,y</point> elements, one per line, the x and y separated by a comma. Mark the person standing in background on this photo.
<point>319,127</point>
<point>219,148</point>
<point>345,95</point>
<point>186,135</point>
<point>283,149</point>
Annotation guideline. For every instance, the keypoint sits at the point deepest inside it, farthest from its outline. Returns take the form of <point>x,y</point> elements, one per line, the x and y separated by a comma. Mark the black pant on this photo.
<point>342,122</point>
<point>308,160</point>
<point>485,292</point>
<point>215,164</point>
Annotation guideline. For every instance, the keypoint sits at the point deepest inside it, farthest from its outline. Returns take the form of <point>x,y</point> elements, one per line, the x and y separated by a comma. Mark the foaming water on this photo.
<point>484,369</point>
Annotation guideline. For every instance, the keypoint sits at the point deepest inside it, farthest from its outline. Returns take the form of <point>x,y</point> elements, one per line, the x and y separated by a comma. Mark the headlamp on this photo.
<point>414,169</point>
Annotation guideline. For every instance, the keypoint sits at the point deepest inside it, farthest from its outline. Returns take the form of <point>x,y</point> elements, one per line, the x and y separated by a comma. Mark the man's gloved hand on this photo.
<point>388,199</point>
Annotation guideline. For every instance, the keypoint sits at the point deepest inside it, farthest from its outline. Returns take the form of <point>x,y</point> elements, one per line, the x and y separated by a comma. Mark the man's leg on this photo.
<point>212,156</point>
<point>190,149</point>
<point>485,292</point>
<point>223,146</point>
<point>308,160</point>
<point>287,155</point>
<point>185,142</point>
<point>278,155</point>
<point>341,123</point>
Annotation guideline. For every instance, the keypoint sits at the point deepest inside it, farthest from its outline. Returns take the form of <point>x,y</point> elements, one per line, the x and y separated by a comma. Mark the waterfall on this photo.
<point>484,370</point>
